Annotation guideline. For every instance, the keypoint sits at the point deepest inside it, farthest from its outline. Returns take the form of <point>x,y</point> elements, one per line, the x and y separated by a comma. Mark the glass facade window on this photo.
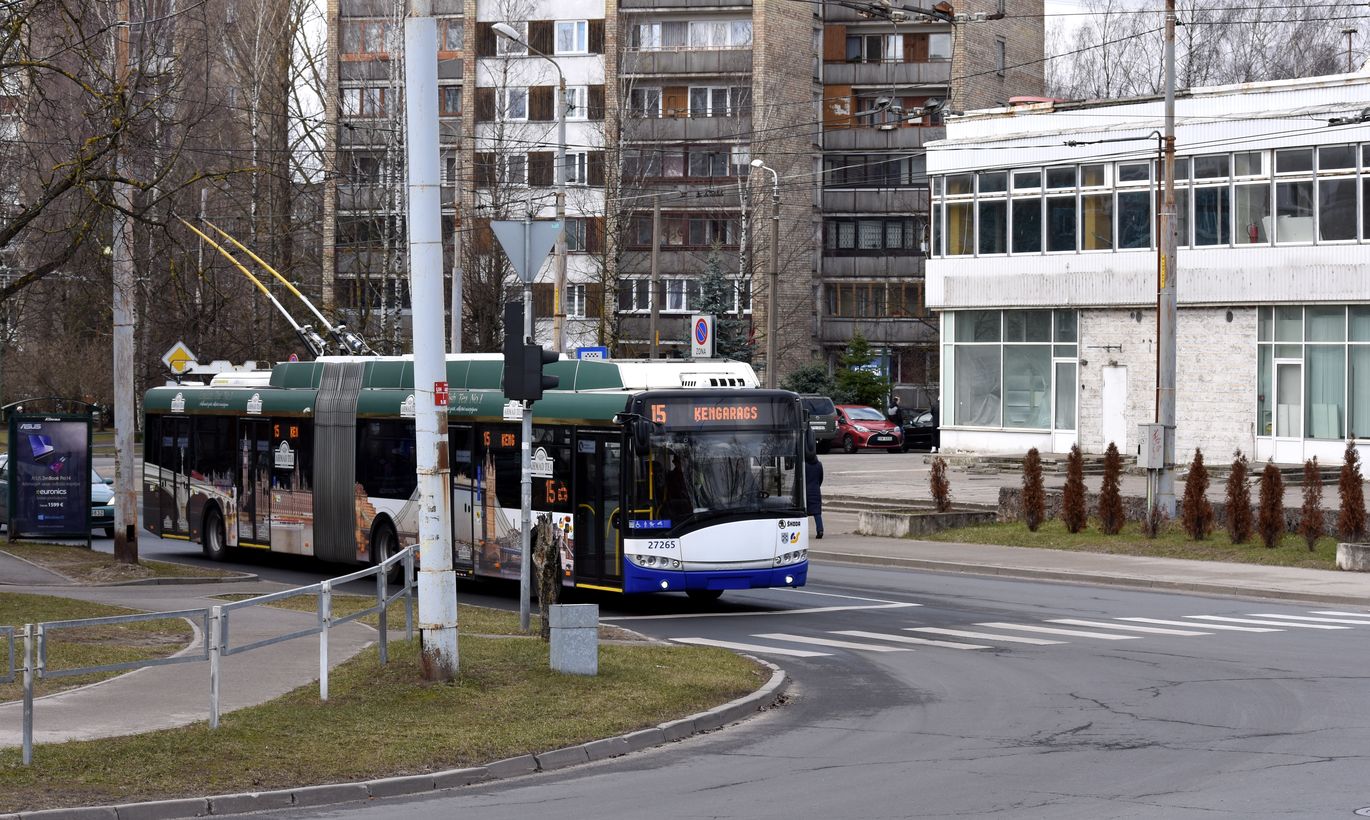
<point>1252,210</point>
<point>1027,225</point>
<point>1134,219</point>
<point>1212,217</point>
<point>1061,223</point>
<point>1096,222</point>
<point>1337,209</point>
<point>993,226</point>
<point>1294,211</point>
<point>1313,372</point>
<point>1006,373</point>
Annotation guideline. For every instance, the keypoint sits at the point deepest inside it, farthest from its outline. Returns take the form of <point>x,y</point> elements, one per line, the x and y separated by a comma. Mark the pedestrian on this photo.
<point>813,491</point>
<point>896,413</point>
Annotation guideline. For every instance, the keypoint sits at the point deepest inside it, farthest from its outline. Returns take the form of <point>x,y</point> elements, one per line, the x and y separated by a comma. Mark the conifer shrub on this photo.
<point>1111,515</point>
<point>1034,496</point>
<point>1351,514</point>
<point>1239,500</point>
<point>1270,519</point>
<point>1074,513</point>
<point>1198,512</point>
<point>939,485</point>
<point>1310,518</point>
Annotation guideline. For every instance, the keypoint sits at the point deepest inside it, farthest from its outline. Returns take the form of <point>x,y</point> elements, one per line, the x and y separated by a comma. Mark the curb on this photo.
<point>237,577</point>
<point>1086,578</point>
<point>409,785</point>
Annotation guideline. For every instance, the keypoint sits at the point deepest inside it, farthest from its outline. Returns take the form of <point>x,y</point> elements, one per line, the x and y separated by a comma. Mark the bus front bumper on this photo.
<point>638,579</point>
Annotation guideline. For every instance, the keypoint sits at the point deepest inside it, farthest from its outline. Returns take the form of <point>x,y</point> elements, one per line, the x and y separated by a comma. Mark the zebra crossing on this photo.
<point>1049,632</point>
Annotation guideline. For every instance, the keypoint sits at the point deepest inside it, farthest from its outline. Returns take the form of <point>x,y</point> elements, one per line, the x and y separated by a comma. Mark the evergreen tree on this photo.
<point>1270,518</point>
<point>1351,519</point>
<point>1198,512</point>
<point>1074,512</point>
<point>855,383</point>
<point>1239,524</point>
<point>1111,515</point>
<point>1310,520</point>
<point>717,297</point>
<point>1034,496</point>
<point>813,378</point>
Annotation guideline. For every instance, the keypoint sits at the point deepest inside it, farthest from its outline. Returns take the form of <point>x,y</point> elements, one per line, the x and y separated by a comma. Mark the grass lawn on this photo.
<point>88,646</point>
<point>388,721</point>
<point>88,566</point>
<point>1173,542</point>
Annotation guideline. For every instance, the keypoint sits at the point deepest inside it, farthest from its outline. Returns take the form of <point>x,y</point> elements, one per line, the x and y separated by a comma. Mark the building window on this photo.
<point>362,103</point>
<point>634,295</point>
<point>685,231</point>
<point>875,171</point>
<point>449,101</point>
<point>507,47</point>
<point>1313,372</point>
<point>511,103</point>
<point>511,169</point>
<point>576,168</point>
<point>575,301</point>
<point>577,102</point>
<point>875,48</point>
<point>370,37</point>
<point>710,101</point>
<point>1000,57</point>
<point>450,35</point>
<point>572,37</point>
<point>1013,369</point>
<point>939,46</point>
<point>873,236</point>
<point>576,230</point>
<point>644,102</point>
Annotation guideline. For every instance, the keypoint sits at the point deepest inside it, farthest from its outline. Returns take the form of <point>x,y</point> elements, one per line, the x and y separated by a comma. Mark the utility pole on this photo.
<point>652,280</point>
<point>1165,296</point>
<point>559,289</point>
<point>1349,32</point>
<point>437,581</point>
<point>772,276</point>
<point>125,310</point>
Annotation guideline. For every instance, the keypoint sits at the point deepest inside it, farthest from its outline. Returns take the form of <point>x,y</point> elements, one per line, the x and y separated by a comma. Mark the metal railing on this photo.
<point>214,623</point>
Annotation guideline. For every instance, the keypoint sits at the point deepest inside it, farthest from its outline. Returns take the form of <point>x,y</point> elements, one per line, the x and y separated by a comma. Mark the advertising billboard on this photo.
<point>49,476</point>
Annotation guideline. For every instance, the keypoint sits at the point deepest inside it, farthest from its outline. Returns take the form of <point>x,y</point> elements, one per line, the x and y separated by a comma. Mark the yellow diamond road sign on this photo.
<point>179,358</point>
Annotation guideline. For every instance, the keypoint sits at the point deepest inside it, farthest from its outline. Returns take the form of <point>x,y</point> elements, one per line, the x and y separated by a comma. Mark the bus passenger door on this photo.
<point>254,494</point>
<point>174,478</point>
<point>599,552</point>
<point>463,443</point>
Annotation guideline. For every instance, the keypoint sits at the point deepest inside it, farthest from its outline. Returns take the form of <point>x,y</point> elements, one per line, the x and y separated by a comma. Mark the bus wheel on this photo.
<point>215,545</point>
<point>384,543</point>
<point>704,594</point>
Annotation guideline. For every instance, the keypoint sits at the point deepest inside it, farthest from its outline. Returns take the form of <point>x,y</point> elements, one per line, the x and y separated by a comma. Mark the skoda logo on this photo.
<point>783,523</point>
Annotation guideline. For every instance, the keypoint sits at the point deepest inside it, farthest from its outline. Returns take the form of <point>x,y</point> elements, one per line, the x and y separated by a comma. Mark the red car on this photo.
<point>860,426</point>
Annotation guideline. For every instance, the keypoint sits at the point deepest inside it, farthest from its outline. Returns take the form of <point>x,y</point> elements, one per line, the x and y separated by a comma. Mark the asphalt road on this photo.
<point>1111,722</point>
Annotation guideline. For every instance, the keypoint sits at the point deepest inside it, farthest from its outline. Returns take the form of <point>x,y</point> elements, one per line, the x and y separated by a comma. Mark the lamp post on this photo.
<point>773,275</point>
<point>559,288</point>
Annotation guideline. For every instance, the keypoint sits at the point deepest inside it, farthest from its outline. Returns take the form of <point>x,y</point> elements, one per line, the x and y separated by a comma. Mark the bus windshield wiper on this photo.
<point>307,334</point>
<point>348,340</point>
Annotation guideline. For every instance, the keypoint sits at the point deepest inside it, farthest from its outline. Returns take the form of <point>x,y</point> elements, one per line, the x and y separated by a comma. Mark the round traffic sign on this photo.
<point>701,330</point>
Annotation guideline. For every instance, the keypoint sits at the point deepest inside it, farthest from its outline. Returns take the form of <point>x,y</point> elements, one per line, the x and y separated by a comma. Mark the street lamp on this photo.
<point>559,288</point>
<point>773,276</point>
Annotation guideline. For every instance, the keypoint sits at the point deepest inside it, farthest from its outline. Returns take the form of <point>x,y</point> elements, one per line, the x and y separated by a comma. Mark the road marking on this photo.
<point>1105,625</point>
<point>1336,612</point>
<point>852,597</point>
<point>809,611</point>
<point>856,633</point>
<point>1053,631</point>
<point>1205,626</point>
<point>961,633</point>
<point>1262,623</point>
<point>751,647</point>
<point>1306,618</point>
<point>865,647</point>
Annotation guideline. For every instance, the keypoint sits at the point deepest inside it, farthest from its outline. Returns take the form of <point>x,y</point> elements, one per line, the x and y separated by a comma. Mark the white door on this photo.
<point>1289,411</point>
<point>1113,409</point>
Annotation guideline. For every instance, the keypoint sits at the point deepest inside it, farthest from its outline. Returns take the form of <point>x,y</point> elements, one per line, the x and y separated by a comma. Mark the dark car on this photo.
<point>822,420</point>
<point>859,426</point>
<point>921,431</point>
<point>101,499</point>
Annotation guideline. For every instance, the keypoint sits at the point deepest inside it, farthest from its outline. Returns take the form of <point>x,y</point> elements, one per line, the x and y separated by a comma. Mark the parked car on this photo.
<point>822,420</point>
<point>921,431</point>
<point>859,426</point>
<point>101,499</point>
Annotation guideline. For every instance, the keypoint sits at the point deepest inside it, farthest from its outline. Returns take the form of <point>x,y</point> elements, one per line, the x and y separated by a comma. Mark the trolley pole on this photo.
<point>526,447</point>
<point>437,581</point>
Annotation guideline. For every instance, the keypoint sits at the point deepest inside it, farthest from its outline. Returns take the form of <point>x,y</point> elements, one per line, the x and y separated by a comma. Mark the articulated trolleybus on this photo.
<point>658,476</point>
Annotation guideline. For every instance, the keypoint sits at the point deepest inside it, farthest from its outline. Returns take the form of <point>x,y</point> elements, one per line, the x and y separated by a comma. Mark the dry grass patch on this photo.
<point>88,566</point>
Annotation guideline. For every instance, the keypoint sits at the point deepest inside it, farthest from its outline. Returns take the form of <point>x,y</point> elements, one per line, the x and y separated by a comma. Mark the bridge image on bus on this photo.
<point>658,476</point>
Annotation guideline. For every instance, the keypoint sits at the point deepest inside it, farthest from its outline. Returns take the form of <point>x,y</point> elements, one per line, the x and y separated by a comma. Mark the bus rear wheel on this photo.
<point>704,594</point>
<point>385,543</point>
<point>212,539</point>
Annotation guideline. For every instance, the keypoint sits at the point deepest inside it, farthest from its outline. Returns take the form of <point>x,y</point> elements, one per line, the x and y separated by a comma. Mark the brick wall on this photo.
<point>976,79</point>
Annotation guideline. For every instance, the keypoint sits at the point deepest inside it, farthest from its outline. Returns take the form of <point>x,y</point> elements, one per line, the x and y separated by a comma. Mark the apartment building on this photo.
<point>690,121</point>
<point>1045,271</point>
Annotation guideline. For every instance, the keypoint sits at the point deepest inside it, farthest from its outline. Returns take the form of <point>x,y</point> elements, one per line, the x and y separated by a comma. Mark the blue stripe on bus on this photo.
<point>638,579</point>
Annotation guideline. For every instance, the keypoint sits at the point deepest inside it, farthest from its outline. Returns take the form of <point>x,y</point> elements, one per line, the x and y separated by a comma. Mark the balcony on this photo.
<point>878,265</point>
<point>882,74</point>
<point>675,261</point>
<point>688,129</point>
<point>879,332</point>
<point>373,69</point>
<point>712,62</point>
<point>869,138</point>
<point>450,69</point>
<point>714,193</point>
<point>880,201</point>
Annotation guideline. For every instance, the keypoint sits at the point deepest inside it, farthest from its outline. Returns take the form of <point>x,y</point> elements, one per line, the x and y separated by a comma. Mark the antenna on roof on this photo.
<point>348,340</point>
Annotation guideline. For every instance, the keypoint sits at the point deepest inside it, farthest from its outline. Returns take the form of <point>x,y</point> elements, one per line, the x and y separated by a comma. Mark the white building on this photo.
<point>1046,272</point>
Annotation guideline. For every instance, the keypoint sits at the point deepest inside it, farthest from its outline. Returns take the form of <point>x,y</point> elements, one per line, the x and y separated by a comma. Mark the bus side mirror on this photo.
<point>810,444</point>
<point>642,434</point>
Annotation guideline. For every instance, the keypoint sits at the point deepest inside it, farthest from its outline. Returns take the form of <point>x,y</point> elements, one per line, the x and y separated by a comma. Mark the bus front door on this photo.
<point>598,466</point>
<point>254,496</point>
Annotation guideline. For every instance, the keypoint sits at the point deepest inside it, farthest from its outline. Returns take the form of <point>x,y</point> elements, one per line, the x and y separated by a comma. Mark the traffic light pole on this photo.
<point>526,449</point>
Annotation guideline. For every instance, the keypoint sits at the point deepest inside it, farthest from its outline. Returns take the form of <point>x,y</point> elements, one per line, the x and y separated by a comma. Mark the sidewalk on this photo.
<point>162,697</point>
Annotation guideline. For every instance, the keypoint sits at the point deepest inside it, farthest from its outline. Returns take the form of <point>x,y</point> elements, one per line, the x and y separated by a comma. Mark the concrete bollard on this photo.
<point>1353,557</point>
<point>575,638</point>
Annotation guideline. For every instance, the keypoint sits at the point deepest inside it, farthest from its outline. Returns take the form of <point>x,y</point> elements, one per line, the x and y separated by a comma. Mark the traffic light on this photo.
<point>514,385</point>
<point>534,382</point>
